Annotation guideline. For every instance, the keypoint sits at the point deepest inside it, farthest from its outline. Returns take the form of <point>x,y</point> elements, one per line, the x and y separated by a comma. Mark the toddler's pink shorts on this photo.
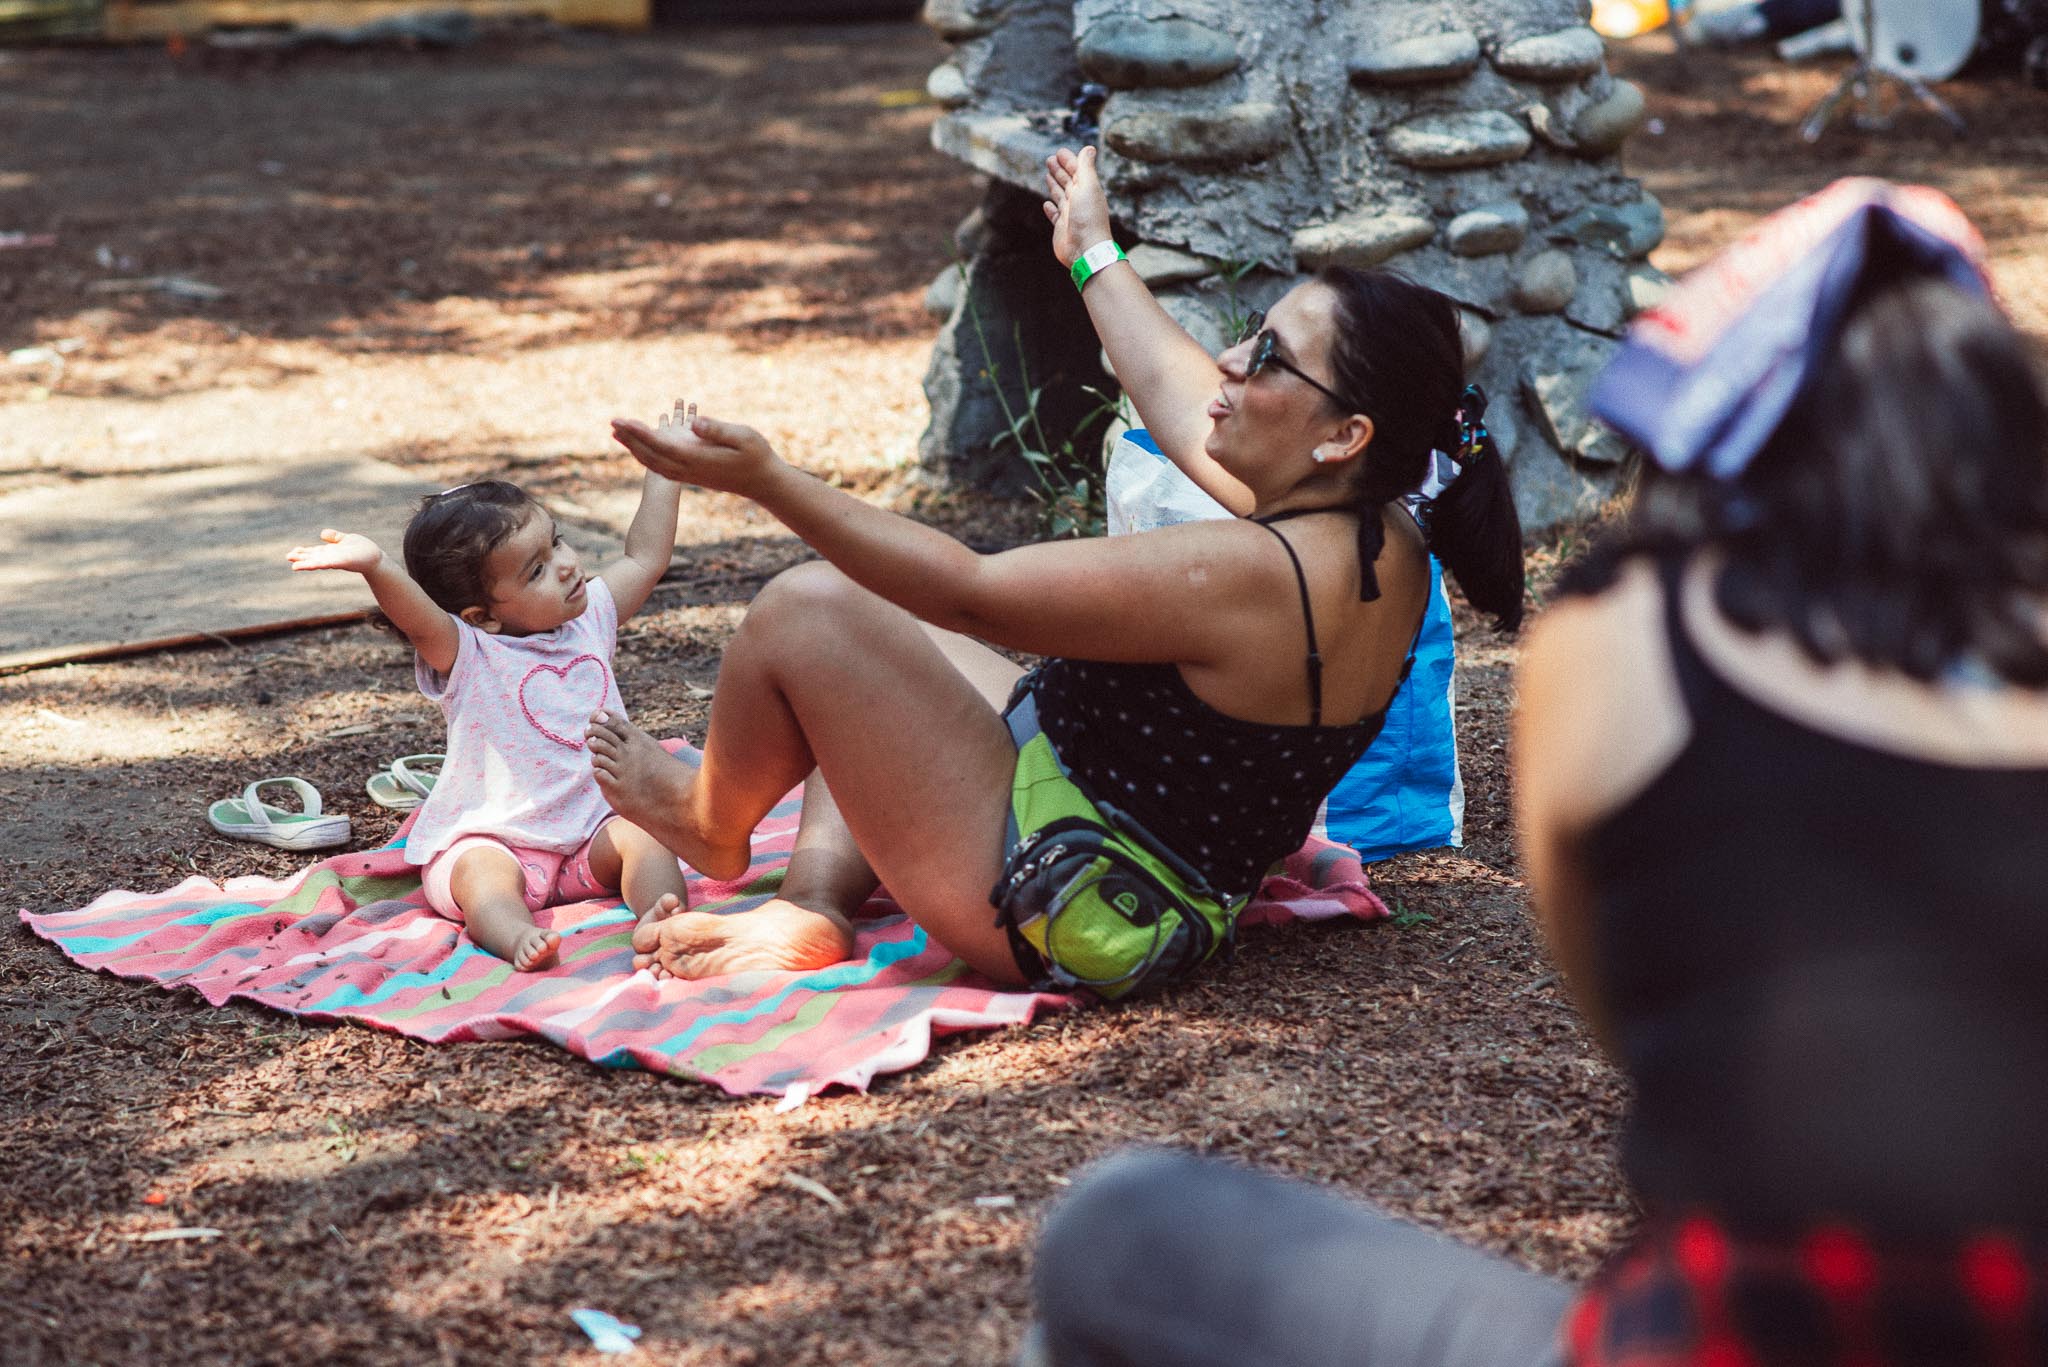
<point>553,878</point>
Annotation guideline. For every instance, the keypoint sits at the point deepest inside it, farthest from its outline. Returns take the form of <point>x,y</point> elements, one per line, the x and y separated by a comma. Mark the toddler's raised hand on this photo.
<point>683,415</point>
<point>337,551</point>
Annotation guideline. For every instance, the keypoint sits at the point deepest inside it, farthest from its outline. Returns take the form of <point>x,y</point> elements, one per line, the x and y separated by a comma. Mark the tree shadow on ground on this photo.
<point>766,183</point>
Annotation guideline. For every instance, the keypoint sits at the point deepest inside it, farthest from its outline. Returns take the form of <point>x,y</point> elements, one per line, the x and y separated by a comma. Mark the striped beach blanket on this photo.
<point>351,939</point>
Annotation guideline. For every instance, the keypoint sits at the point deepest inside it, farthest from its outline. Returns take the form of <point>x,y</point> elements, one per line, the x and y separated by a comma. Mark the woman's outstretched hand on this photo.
<point>337,551</point>
<point>698,450</point>
<point>1075,203</point>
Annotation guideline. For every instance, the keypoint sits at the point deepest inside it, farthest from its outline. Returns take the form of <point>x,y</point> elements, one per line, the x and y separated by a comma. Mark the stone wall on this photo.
<point>1470,144</point>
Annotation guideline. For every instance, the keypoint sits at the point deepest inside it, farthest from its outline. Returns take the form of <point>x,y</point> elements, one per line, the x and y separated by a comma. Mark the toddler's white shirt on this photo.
<point>516,706</point>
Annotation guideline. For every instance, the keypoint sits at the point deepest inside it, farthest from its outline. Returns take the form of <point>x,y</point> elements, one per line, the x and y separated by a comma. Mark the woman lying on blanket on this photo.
<point>514,639</point>
<point>1205,684</point>
<point>1781,764</point>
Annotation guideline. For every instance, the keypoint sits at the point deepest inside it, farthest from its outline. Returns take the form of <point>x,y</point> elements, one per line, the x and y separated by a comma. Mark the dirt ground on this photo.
<point>463,263</point>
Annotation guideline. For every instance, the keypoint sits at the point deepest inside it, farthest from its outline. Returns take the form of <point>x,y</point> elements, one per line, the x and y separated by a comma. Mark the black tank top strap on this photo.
<point>1308,616</point>
<point>1695,679</point>
<point>1371,538</point>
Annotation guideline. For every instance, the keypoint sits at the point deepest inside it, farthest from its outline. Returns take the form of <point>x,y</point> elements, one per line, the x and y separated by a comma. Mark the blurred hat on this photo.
<point>1704,378</point>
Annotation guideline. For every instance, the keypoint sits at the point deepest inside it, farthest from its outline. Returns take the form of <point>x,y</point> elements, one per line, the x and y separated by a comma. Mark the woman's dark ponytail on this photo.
<point>1472,526</point>
<point>1397,352</point>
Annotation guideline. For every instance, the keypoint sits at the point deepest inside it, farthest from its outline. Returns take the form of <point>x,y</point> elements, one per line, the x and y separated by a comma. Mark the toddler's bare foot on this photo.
<point>651,788</point>
<point>507,930</point>
<point>530,950</point>
<point>777,936</point>
<point>537,950</point>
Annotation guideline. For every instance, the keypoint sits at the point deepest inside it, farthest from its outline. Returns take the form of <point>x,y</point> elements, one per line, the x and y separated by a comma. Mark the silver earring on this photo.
<point>1318,455</point>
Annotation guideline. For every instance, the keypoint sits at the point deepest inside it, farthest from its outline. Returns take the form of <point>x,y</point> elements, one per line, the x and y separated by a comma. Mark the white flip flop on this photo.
<point>405,782</point>
<point>249,818</point>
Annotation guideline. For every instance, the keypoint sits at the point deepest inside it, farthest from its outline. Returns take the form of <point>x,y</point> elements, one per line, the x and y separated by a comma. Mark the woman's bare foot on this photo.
<point>668,906</point>
<point>777,936</point>
<point>651,788</point>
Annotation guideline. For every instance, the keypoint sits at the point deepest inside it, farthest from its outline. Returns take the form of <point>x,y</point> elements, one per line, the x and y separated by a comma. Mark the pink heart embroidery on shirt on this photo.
<point>549,689</point>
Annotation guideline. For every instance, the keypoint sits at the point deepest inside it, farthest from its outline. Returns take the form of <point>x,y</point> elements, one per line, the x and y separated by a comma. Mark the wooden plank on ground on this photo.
<point>22,19</point>
<point>102,567</point>
<point>128,20</point>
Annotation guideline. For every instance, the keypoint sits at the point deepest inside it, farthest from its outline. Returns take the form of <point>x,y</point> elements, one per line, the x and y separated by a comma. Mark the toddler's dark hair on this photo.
<point>452,534</point>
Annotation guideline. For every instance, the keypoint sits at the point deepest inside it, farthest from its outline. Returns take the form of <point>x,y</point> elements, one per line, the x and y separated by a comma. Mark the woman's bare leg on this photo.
<point>826,674</point>
<point>827,872</point>
<point>811,919</point>
<point>828,877</point>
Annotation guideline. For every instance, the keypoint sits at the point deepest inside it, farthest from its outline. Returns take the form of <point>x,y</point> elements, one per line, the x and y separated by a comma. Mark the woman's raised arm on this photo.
<point>1182,594</point>
<point>1168,376</point>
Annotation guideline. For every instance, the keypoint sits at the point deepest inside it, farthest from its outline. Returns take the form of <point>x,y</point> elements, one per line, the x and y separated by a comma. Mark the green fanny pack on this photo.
<point>1087,895</point>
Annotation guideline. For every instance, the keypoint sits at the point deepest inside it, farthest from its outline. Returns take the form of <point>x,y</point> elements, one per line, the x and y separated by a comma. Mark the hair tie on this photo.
<point>1472,440</point>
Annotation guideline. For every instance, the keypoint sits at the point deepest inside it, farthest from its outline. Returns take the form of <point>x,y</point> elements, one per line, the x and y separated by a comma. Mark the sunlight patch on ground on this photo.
<point>535,401</point>
<point>330,1147</point>
<point>83,734</point>
<point>759,260</point>
<point>1698,236</point>
<point>725,65</point>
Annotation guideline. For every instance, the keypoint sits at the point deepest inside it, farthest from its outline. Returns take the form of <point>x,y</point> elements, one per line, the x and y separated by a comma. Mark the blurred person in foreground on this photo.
<point>1781,761</point>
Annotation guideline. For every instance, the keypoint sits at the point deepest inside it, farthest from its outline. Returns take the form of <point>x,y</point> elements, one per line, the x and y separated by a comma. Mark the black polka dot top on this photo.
<point>1231,797</point>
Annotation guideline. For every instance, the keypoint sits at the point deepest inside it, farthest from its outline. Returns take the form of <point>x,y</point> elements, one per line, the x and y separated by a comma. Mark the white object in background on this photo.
<point>1142,490</point>
<point>1728,24</point>
<point>607,1333</point>
<point>1829,38</point>
<point>1930,39</point>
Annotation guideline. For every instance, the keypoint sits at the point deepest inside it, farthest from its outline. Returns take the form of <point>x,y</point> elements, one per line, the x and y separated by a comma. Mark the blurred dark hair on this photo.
<point>1899,515</point>
<point>452,534</point>
<point>1397,353</point>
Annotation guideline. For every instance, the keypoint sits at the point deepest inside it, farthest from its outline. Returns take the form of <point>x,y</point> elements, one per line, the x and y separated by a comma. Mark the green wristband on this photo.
<point>1097,258</point>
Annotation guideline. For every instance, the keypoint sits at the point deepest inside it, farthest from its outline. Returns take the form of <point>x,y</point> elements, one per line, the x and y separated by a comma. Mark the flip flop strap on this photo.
<point>401,769</point>
<point>259,815</point>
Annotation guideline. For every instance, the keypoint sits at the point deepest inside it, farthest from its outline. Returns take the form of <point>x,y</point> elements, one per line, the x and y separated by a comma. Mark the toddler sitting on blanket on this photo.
<point>515,643</point>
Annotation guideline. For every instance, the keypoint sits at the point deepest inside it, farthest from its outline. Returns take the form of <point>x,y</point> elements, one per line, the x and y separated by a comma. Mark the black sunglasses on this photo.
<point>1263,340</point>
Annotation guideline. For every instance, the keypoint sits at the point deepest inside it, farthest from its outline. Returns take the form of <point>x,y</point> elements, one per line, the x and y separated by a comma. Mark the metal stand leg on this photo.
<point>1855,82</point>
<point>1925,94</point>
<point>1861,82</point>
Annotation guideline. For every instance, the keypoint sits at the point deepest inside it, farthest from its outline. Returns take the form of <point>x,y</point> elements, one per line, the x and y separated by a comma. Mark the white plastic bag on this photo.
<point>1143,490</point>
